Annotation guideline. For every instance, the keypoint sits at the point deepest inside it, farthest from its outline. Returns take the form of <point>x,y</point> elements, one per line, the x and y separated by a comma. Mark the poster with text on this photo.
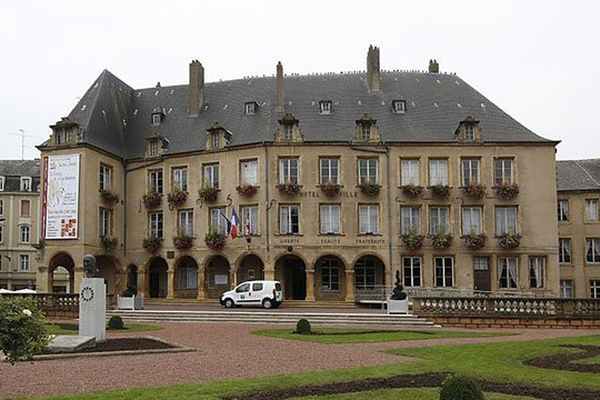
<point>61,196</point>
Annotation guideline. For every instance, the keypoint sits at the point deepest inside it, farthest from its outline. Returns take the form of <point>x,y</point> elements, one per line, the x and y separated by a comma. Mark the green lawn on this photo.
<point>500,362</point>
<point>404,394</point>
<point>338,335</point>
<point>71,328</point>
<point>588,361</point>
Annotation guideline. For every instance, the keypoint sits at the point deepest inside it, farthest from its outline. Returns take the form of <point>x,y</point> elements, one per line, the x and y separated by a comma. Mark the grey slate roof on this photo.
<point>578,175</point>
<point>117,118</point>
<point>20,168</point>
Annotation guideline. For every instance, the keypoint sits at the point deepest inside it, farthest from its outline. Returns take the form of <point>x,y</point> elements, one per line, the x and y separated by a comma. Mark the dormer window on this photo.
<point>65,132</point>
<point>250,108</point>
<point>399,106</point>
<point>288,130</point>
<point>218,137</point>
<point>26,184</point>
<point>153,148</point>
<point>155,119</point>
<point>365,132</point>
<point>325,107</point>
<point>157,116</point>
<point>214,141</point>
<point>1,183</point>
<point>156,145</point>
<point>468,130</point>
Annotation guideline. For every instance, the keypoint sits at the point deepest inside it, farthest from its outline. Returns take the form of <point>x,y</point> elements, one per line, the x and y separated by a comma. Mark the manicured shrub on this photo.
<point>116,322</point>
<point>460,388</point>
<point>303,327</point>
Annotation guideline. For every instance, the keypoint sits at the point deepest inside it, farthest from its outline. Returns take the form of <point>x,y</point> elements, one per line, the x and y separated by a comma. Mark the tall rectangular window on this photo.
<point>288,170</point>
<point>439,220</point>
<point>537,266</point>
<point>24,234</point>
<point>503,171</point>
<point>289,219</point>
<point>595,289</point>
<point>563,210</point>
<point>471,169</point>
<point>367,170</point>
<point>566,289</point>
<point>330,219</point>
<point>368,219</point>
<point>26,184</point>
<point>180,178</point>
<point>330,170</point>
<point>506,220</point>
<point>24,262</point>
<point>591,210</point>
<point>330,274</point>
<point>444,271</point>
<point>365,132</point>
<point>564,250</point>
<point>155,180</point>
<point>412,271</point>
<point>218,223</point>
<point>249,172</point>
<point>364,274</point>
<point>186,222</point>
<point>289,132</point>
<point>2,179</point>
<point>105,177</point>
<point>215,140</point>
<point>410,220</point>
<point>438,172</point>
<point>1,207</point>
<point>211,175</point>
<point>592,250</point>
<point>471,220</point>
<point>1,235</point>
<point>25,208</point>
<point>249,216</point>
<point>325,107</point>
<point>105,222</point>
<point>409,172</point>
<point>156,224</point>
<point>508,272</point>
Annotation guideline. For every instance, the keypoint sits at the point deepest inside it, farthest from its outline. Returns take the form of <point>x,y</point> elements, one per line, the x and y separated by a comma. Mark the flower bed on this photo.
<point>208,193</point>
<point>215,241</point>
<point>152,244</point>
<point>152,199</point>
<point>289,188</point>
<point>183,242</point>
<point>507,191</point>
<point>475,241</point>
<point>474,190</point>
<point>440,191</point>
<point>509,241</point>
<point>412,191</point>
<point>370,188</point>
<point>247,190</point>
<point>109,197</point>
<point>177,197</point>
<point>441,240</point>
<point>109,242</point>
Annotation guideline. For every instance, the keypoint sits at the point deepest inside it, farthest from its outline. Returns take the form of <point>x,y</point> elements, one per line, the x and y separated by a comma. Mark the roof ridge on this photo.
<point>586,172</point>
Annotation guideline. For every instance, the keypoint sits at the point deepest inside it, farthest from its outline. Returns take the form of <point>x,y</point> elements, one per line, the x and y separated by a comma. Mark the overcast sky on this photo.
<point>537,60</point>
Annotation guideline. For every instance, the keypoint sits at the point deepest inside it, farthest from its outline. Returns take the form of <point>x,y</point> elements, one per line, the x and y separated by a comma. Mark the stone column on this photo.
<point>142,285</point>
<point>232,279</point>
<point>79,275</point>
<point>171,282</point>
<point>201,284</point>
<point>269,273</point>
<point>349,286</point>
<point>44,281</point>
<point>310,285</point>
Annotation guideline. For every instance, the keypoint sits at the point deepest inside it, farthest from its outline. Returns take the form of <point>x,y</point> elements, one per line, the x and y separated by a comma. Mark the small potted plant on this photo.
<point>412,240</point>
<point>509,241</point>
<point>152,199</point>
<point>215,241</point>
<point>398,301</point>
<point>474,190</point>
<point>440,191</point>
<point>289,187</point>
<point>152,244</point>
<point>475,241</point>
<point>507,191</point>
<point>370,188</point>
<point>177,197</point>
<point>441,240</point>
<point>247,190</point>
<point>208,193</point>
<point>183,242</point>
<point>109,197</point>
<point>109,242</point>
<point>330,189</point>
<point>412,191</point>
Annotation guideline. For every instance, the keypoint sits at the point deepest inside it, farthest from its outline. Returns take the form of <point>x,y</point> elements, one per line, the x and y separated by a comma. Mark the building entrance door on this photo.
<point>481,274</point>
<point>291,272</point>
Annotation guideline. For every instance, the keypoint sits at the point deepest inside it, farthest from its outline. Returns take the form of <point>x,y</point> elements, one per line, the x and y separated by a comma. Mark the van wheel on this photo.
<point>267,303</point>
<point>228,303</point>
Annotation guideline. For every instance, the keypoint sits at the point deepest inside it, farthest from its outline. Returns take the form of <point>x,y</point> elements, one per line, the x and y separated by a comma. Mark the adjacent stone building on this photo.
<point>338,181</point>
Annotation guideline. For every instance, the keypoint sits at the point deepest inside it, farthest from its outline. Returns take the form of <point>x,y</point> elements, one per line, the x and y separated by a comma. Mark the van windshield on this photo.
<point>278,287</point>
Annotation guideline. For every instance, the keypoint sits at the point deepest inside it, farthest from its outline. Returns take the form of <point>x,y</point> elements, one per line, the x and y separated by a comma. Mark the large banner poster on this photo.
<point>61,196</point>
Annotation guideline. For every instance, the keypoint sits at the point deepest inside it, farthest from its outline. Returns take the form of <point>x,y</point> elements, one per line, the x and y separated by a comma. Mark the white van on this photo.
<point>255,293</point>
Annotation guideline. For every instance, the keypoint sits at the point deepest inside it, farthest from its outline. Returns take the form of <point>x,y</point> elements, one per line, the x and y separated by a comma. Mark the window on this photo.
<point>24,234</point>
<point>218,222</point>
<point>257,287</point>
<point>411,220</point>
<point>470,132</point>
<point>2,179</point>
<point>289,132</point>
<point>330,274</point>
<point>471,220</point>
<point>288,170</point>
<point>215,140</point>
<point>595,289</point>
<point>367,170</point>
<point>481,264</point>
<point>364,274</point>
<point>211,175</point>
<point>592,250</point>
<point>507,273</point>
<point>245,288</point>
<point>409,170</point>
<point>1,207</point>
<point>365,132</point>
<point>439,220</point>
<point>249,108</point>
<point>368,219</point>
<point>154,148</point>
<point>24,262</point>
<point>563,210</point>
<point>506,220</point>
<point>330,219</point>
<point>566,289</point>
<point>104,222</point>
<point>443,271</point>
<point>155,180</point>
<point>330,170</point>
<point>399,106</point>
<point>438,172</point>
<point>156,119</point>
<point>564,250</point>
<point>156,224</point>
<point>26,184</point>
<point>470,171</point>
<point>187,277</point>
<point>503,171</point>
<point>591,210</point>
<point>180,178</point>
<point>1,236</point>
<point>105,178</point>
<point>536,272</point>
<point>412,271</point>
<point>64,135</point>
<point>325,107</point>
<point>186,222</point>
<point>25,208</point>
<point>249,172</point>
<point>249,215</point>
<point>289,219</point>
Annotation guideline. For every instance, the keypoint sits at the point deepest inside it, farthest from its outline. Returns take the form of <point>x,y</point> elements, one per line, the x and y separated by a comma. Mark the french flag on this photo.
<point>235,222</point>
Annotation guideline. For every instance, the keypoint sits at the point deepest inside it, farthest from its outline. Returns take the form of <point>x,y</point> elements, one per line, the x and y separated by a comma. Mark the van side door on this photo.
<point>257,292</point>
<point>241,293</point>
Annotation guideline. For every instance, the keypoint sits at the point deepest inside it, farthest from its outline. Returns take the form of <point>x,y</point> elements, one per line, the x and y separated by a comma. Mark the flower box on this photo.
<point>152,200</point>
<point>208,193</point>
<point>412,191</point>
<point>109,242</point>
<point>475,241</point>
<point>441,240</point>
<point>289,188</point>
<point>413,241</point>
<point>130,303</point>
<point>109,197</point>
<point>397,306</point>
<point>247,190</point>
<point>183,242</point>
<point>215,241</point>
<point>440,191</point>
<point>370,188</point>
<point>152,244</point>
<point>330,189</point>
<point>509,241</point>
<point>177,197</point>
<point>507,191</point>
<point>474,190</point>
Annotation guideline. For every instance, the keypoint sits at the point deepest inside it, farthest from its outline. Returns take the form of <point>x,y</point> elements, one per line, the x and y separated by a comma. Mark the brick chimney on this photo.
<point>434,67</point>
<point>196,94</point>
<point>373,71</point>
<point>279,101</point>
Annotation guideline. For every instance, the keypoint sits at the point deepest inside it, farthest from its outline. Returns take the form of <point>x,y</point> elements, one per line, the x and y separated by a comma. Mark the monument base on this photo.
<point>92,308</point>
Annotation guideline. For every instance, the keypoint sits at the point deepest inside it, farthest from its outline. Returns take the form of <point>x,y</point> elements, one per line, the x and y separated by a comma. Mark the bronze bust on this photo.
<point>90,267</point>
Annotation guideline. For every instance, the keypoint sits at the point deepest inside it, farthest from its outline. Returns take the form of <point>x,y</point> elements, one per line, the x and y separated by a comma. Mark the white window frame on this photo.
<point>368,170</point>
<point>105,177</point>
<point>24,263</point>
<point>289,170</point>
<point>564,250</point>
<point>185,222</point>
<point>447,272</point>
<point>330,275</point>
<point>410,220</point>
<point>249,108</point>
<point>329,170</point>
<point>537,272</point>
<point>591,210</point>
<point>156,180</point>
<point>504,224</point>
<point>104,222</point>
<point>211,175</point>
<point>471,171</point>
<point>154,148</point>
<point>249,172</point>
<point>156,225</point>
<point>179,176</point>
<point>592,250</point>
<point>594,288</point>
<point>288,131</point>
<point>566,288</point>
<point>287,214</point>
<point>504,170</point>
<point>215,140</point>
<point>507,282</point>
<point>563,210</point>
<point>472,220</point>
<point>26,184</point>
<point>438,171</point>
<point>365,132</point>
<point>24,233</point>
<point>187,277</point>
<point>252,212</point>
<point>470,132</point>
<point>156,119</point>
<point>409,172</point>
<point>365,274</point>
<point>325,107</point>
<point>368,219</point>
<point>439,219</point>
<point>399,106</point>
<point>218,223</point>
<point>409,266</point>
<point>330,216</point>
<point>2,181</point>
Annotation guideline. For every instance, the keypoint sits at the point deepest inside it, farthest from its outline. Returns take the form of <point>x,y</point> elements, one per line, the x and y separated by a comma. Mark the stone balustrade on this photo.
<point>54,305</point>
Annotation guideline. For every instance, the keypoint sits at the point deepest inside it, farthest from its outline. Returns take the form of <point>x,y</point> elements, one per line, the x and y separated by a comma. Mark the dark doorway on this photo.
<point>291,271</point>
<point>481,274</point>
<point>157,284</point>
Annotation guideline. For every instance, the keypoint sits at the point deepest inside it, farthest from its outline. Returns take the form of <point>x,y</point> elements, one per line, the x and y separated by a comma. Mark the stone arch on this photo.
<point>250,267</point>
<point>157,273</point>
<point>109,269</point>
<point>62,263</point>
<point>369,273</point>
<point>290,270</point>
<point>217,276</point>
<point>186,277</point>
<point>330,277</point>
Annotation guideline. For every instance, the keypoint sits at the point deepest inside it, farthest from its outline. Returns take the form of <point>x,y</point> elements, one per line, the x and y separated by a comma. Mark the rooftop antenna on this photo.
<point>23,136</point>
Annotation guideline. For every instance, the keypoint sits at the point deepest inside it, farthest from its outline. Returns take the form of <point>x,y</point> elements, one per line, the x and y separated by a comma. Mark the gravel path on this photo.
<point>224,351</point>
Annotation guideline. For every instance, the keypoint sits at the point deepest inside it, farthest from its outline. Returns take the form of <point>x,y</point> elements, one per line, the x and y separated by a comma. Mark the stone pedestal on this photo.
<point>92,308</point>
